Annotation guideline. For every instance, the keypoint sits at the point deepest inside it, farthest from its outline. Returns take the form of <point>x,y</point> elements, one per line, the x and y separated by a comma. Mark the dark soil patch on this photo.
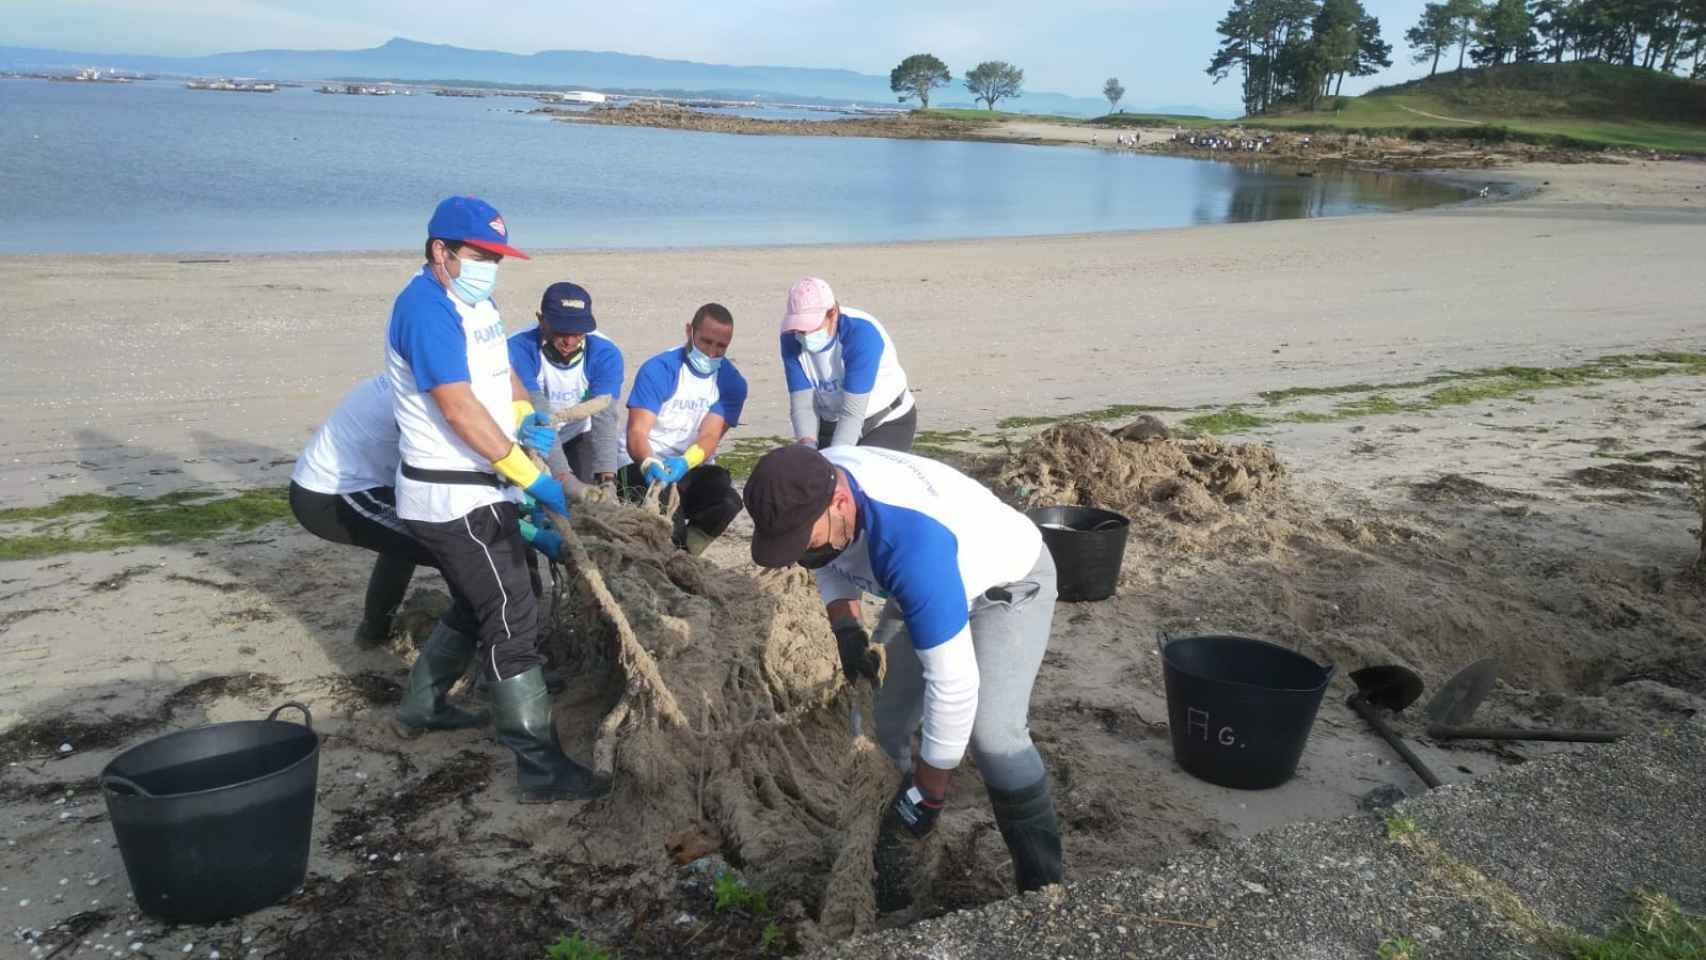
<point>222,587</point>
<point>40,739</point>
<point>47,790</point>
<point>366,689</point>
<point>64,935</point>
<point>1456,488</point>
<point>457,779</point>
<point>1629,476</point>
<point>15,616</point>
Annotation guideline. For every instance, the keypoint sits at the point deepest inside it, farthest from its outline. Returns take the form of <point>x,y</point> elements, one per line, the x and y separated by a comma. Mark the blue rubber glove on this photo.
<point>549,493</point>
<point>654,470</point>
<point>535,433</point>
<point>675,468</point>
<point>543,539</point>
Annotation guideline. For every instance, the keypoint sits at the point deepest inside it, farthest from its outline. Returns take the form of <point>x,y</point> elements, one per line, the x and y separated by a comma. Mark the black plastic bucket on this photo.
<point>214,822</point>
<point>1088,546</point>
<point>1240,710</point>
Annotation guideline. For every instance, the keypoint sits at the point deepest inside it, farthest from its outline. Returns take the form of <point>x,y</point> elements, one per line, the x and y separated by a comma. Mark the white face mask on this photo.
<point>817,341</point>
<point>476,280</point>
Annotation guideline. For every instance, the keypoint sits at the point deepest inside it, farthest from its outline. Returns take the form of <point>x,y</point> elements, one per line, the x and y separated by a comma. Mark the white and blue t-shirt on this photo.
<point>668,386</point>
<point>597,372</point>
<point>356,448</point>
<point>932,540</point>
<point>435,339</point>
<point>860,358</point>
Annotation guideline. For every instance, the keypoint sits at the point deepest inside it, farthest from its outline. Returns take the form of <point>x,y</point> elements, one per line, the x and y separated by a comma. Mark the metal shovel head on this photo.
<point>1455,702</point>
<point>1390,686</point>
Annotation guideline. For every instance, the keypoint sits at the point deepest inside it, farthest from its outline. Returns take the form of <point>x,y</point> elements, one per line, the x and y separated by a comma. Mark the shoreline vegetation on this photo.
<point>1575,112</point>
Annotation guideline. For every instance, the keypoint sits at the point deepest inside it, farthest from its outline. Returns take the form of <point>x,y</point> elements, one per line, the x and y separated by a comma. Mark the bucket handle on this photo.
<point>110,780</point>
<point>1161,639</point>
<point>307,718</point>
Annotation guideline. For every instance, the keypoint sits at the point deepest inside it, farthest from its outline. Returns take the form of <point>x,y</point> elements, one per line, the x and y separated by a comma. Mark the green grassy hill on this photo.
<point>1570,104</point>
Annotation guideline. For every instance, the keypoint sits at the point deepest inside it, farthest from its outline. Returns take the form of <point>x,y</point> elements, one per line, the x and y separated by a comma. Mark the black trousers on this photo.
<point>484,559</point>
<point>895,435</point>
<point>709,501</point>
<point>366,519</point>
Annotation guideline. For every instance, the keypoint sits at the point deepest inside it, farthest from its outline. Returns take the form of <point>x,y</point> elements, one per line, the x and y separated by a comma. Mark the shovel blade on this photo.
<point>1458,699</point>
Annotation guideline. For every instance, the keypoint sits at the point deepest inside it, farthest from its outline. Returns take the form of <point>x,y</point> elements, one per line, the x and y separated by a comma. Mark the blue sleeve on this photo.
<point>654,384</point>
<point>791,368</point>
<point>431,341</point>
<point>731,394</point>
<point>861,354</point>
<point>524,359</point>
<point>917,560</point>
<point>603,369</point>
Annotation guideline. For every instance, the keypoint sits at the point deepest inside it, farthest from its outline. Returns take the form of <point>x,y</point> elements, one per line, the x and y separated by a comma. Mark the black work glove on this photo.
<point>918,812</point>
<point>858,658</point>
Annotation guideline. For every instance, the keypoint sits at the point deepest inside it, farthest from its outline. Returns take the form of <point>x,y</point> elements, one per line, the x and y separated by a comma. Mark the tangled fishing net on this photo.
<point>1135,470</point>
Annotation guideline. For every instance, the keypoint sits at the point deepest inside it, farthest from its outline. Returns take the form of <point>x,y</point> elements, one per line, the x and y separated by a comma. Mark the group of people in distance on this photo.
<point>435,462</point>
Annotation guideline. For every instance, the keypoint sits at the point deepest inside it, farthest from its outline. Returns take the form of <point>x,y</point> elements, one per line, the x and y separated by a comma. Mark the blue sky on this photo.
<point>1158,48</point>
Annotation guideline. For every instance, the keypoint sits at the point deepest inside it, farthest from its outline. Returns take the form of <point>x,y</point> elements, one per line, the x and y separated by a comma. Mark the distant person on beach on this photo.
<point>563,362</point>
<point>683,403</point>
<point>845,383</point>
<point>342,491</point>
<point>459,410</point>
<point>971,594</point>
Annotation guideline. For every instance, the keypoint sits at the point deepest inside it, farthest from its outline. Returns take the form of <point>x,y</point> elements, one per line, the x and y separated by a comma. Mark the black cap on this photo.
<point>567,308</point>
<point>788,490</point>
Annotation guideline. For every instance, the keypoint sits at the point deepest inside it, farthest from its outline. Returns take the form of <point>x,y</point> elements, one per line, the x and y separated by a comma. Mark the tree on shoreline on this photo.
<point>1432,35</point>
<point>1114,92</point>
<point>994,80</point>
<point>917,75</point>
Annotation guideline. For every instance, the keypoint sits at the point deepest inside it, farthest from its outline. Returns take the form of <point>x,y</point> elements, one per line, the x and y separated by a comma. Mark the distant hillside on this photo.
<point>1583,90</point>
<point>409,60</point>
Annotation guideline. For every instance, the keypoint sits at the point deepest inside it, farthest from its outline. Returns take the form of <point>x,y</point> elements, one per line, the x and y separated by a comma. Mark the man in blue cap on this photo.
<point>565,361</point>
<point>459,411</point>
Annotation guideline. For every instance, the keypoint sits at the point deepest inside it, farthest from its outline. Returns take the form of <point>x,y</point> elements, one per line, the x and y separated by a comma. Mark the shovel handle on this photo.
<point>1513,733</point>
<point>1367,712</point>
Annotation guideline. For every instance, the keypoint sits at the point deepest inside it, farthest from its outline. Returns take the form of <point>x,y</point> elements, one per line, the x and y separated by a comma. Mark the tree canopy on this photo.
<point>917,75</point>
<point>1113,91</point>
<point>995,80</point>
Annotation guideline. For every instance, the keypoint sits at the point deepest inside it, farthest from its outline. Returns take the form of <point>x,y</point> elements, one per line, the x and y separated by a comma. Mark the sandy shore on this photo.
<point>1557,546</point>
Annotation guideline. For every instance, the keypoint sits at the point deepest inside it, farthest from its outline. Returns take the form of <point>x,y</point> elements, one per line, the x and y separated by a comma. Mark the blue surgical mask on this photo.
<point>817,341</point>
<point>701,363</point>
<point>475,282</point>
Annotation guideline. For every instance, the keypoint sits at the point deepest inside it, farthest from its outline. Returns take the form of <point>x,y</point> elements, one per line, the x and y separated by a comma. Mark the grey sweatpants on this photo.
<point>1009,633</point>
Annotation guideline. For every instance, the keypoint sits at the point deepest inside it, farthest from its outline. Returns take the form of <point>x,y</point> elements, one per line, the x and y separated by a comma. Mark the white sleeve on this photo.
<point>833,586</point>
<point>950,700</point>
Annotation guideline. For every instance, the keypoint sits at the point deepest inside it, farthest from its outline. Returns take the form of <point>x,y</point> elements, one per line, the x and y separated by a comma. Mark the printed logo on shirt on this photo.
<point>687,405</point>
<point>493,332</point>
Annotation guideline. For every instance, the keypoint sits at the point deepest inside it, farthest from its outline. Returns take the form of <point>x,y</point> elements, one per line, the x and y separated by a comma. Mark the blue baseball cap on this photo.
<point>473,222</point>
<point>567,308</point>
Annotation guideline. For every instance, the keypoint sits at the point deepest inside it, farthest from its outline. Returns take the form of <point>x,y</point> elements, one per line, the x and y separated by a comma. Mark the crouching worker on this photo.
<point>459,409</point>
<point>684,401</point>
<point>342,491</point>
<point>564,362</point>
<point>971,591</point>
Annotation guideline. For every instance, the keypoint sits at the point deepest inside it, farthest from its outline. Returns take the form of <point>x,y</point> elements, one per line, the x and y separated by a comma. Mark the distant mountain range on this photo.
<point>412,61</point>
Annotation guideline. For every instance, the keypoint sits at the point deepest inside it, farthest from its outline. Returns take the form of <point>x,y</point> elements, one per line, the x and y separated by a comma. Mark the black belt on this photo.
<point>467,478</point>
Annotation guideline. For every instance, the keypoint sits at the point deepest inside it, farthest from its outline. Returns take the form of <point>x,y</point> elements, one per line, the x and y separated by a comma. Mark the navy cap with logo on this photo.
<point>567,308</point>
<point>788,490</point>
<point>474,222</point>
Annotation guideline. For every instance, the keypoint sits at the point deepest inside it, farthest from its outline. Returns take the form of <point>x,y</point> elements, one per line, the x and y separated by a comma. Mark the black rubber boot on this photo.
<point>443,659</point>
<point>385,589</point>
<point>895,867</point>
<point>1028,825</point>
<point>524,725</point>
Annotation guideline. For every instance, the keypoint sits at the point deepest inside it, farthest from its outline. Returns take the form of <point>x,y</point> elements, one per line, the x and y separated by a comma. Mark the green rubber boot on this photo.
<point>442,661</point>
<point>1028,825</point>
<point>523,710</point>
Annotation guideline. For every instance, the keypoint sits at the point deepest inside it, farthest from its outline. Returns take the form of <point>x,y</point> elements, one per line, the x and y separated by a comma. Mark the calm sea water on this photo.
<point>155,167</point>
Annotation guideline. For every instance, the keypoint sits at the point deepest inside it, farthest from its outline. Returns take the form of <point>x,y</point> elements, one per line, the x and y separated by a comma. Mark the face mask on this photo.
<point>702,364</point>
<point>555,356</point>
<point>816,558</point>
<point>476,280</point>
<point>817,341</point>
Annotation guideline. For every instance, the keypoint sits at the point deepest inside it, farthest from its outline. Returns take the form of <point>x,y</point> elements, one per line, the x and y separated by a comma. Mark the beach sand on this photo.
<point>144,375</point>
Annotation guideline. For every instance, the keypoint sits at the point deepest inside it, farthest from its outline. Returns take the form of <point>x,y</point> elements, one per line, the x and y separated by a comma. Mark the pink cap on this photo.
<point>808,301</point>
